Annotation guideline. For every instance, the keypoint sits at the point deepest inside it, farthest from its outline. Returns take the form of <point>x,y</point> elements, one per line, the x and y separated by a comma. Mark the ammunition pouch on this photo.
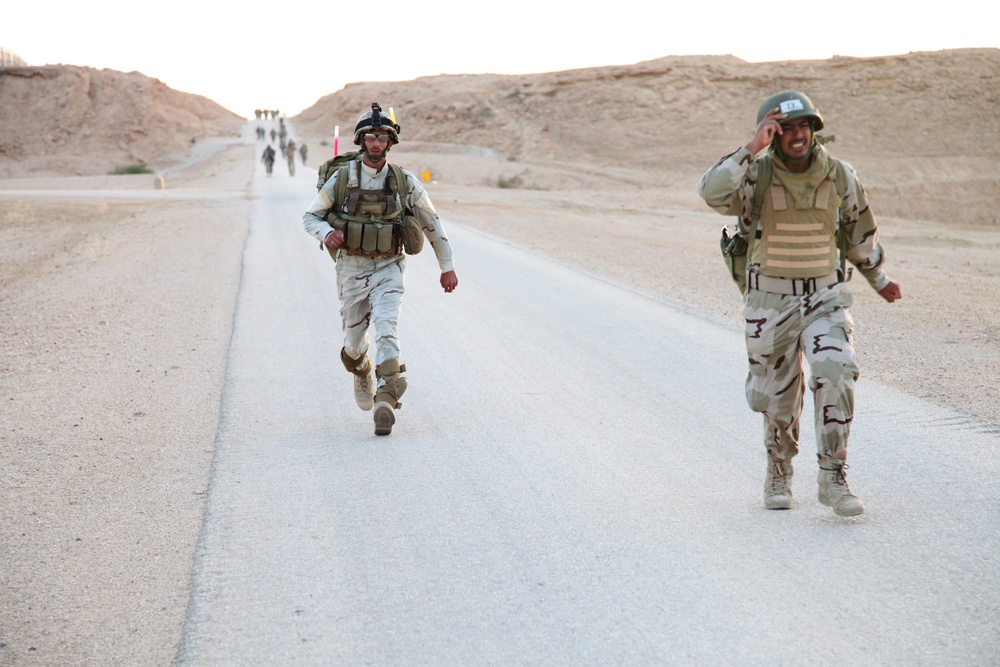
<point>368,238</point>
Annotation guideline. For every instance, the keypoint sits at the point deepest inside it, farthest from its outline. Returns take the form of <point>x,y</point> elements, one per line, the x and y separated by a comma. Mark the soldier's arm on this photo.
<point>724,187</point>
<point>430,223</point>
<point>314,220</point>
<point>861,233</point>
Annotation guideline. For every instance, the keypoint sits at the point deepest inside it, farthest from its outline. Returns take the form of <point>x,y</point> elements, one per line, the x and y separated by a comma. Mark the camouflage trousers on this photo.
<point>371,296</point>
<point>780,331</point>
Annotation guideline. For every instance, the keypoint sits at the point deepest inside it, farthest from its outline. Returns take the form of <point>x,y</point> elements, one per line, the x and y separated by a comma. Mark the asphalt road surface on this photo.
<point>574,479</point>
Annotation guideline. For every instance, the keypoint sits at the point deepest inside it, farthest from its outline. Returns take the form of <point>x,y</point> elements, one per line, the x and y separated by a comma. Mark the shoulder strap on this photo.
<point>764,169</point>
<point>347,176</point>
<point>340,188</point>
<point>840,179</point>
<point>402,185</point>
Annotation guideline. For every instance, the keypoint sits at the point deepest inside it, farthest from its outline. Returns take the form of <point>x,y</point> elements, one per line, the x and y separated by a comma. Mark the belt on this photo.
<point>371,255</point>
<point>792,286</point>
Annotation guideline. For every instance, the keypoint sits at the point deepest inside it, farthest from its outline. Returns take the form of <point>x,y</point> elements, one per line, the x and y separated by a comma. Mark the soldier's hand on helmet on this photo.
<point>334,238</point>
<point>891,292</point>
<point>767,129</point>
<point>449,281</point>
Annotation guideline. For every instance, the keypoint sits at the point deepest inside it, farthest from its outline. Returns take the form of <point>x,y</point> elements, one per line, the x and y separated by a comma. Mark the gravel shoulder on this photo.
<point>115,317</point>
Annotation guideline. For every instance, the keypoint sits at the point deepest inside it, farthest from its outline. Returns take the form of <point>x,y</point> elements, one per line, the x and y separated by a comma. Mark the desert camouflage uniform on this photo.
<point>371,289</point>
<point>781,328</point>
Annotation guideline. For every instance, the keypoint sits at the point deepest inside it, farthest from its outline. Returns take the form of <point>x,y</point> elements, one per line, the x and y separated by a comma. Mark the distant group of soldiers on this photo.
<point>286,144</point>
<point>265,114</point>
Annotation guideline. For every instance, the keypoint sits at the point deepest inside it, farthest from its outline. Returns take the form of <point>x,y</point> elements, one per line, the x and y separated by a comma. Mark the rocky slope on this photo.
<point>921,127</point>
<point>68,120</point>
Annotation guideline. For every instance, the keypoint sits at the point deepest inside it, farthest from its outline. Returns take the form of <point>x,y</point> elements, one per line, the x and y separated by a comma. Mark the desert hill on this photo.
<point>921,128</point>
<point>62,119</point>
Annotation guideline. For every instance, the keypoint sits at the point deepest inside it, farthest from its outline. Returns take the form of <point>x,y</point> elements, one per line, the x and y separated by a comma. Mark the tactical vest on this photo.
<point>797,232</point>
<point>370,219</point>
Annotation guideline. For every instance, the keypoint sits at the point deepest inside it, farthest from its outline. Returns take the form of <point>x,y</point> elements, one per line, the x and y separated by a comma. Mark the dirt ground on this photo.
<point>115,317</point>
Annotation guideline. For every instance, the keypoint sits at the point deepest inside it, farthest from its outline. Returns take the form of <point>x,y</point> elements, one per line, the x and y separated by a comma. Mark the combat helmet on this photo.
<point>795,105</point>
<point>375,120</point>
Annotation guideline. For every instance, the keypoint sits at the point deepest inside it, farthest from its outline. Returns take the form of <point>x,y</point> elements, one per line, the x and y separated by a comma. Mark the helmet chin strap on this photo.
<point>364,149</point>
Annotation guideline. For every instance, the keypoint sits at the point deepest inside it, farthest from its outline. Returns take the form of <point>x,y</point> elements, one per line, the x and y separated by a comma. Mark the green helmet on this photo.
<point>794,104</point>
<point>374,120</point>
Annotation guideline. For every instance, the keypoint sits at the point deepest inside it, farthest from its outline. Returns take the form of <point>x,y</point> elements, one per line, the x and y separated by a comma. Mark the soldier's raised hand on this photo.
<point>768,128</point>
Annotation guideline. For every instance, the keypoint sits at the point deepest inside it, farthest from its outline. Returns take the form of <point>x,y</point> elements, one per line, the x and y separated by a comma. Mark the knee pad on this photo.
<point>391,383</point>
<point>355,365</point>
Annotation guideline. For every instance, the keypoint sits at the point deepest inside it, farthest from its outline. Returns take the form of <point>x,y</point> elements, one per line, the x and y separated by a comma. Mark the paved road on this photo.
<point>575,479</point>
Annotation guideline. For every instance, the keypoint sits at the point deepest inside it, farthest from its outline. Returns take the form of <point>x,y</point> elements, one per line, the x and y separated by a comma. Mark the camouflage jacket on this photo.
<point>728,188</point>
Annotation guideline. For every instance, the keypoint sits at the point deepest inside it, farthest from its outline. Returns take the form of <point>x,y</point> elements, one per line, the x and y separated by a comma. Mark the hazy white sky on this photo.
<point>286,54</point>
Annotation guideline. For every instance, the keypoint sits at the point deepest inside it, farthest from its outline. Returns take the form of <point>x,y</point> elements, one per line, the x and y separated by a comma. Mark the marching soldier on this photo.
<point>814,216</point>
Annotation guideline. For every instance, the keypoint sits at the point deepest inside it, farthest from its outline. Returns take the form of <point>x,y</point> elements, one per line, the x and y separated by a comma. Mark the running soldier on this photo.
<point>813,217</point>
<point>367,213</point>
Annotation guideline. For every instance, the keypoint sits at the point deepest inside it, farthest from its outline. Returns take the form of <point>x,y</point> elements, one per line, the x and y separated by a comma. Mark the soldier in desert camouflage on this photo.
<point>356,226</point>
<point>797,298</point>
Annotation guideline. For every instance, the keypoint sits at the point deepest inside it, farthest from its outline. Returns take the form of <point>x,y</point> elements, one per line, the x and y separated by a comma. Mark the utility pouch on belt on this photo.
<point>734,254</point>
<point>413,236</point>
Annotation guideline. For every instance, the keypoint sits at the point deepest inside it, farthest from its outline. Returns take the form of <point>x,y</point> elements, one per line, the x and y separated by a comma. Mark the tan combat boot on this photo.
<point>833,489</point>
<point>778,485</point>
<point>364,379</point>
<point>391,385</point>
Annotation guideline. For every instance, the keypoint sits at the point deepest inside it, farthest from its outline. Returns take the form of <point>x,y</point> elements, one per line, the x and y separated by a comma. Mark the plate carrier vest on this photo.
<point>797,231</point>
<point>737,248</point>
<point>370,219</point>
